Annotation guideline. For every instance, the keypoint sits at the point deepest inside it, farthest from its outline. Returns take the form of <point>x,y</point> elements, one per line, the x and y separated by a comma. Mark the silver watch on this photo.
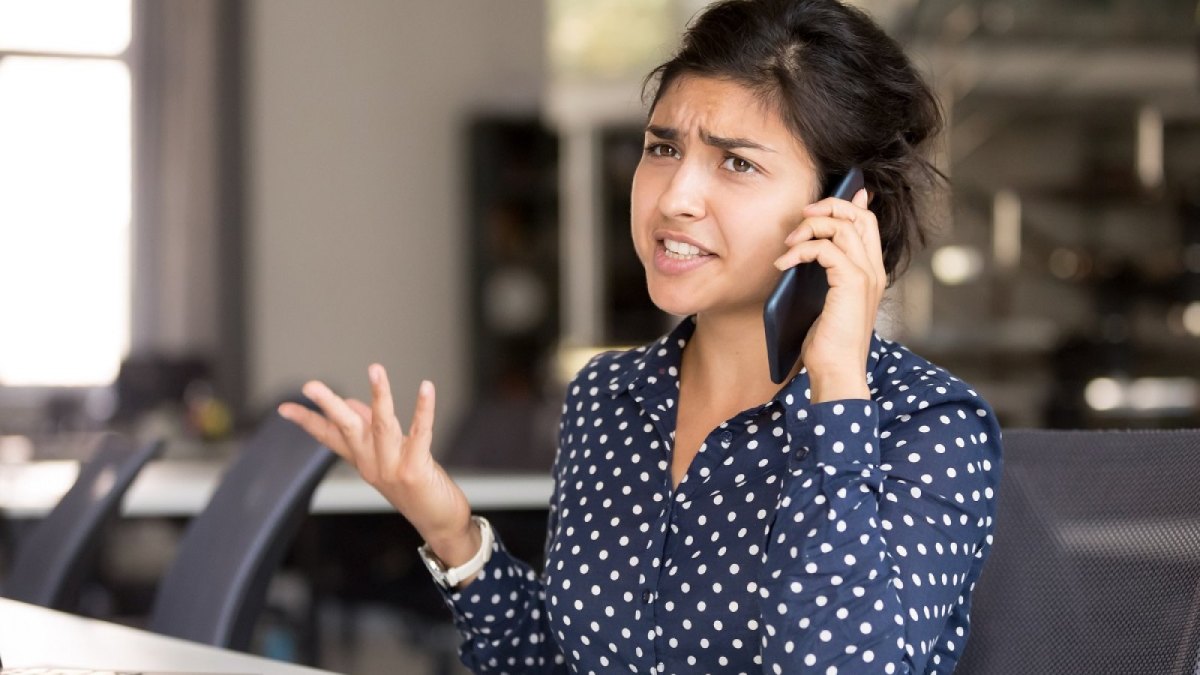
<point>450,578</point>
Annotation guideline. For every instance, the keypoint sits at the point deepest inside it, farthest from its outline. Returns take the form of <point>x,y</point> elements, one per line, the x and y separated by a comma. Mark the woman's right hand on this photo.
<point>401,467</point>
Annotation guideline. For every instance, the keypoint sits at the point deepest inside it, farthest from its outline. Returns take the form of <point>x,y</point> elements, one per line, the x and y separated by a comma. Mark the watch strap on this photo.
<point>452,577</point>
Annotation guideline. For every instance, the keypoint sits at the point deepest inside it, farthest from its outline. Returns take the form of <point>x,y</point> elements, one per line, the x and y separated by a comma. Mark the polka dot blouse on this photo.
<point>841,537</point>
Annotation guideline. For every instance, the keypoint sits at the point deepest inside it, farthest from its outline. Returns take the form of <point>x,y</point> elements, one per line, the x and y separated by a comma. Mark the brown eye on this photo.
<point>738,165</point>
<point>660,150</point>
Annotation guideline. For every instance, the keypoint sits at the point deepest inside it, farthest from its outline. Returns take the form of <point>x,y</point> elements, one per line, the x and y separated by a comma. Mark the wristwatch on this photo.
<point>450,578</point>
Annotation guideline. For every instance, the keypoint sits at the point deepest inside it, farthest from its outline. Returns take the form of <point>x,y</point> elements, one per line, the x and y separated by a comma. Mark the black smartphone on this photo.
<point>799,296</point>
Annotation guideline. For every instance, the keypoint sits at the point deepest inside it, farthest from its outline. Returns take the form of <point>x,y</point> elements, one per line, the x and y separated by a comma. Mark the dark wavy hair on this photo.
<point>843,86</point>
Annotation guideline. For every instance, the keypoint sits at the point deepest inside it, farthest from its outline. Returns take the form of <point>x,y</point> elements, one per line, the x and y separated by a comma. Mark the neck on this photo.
<point>727,359</point>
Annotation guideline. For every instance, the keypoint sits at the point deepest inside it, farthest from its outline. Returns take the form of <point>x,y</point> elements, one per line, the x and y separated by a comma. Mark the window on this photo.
<point>610,39</point>
<point>65,191</point>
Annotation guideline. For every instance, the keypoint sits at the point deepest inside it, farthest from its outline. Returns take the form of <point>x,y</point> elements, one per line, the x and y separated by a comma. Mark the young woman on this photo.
<point>705,519</point>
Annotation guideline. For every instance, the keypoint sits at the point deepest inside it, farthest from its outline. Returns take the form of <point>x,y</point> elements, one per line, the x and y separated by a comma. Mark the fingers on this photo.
<point>421,431</point>
<point>850,225</point>
<point>861,198</point>
<point>838,231</point>
<point>871,235</point>
<point>840,266</point>
<point>386,437</point>
<point>854,211</point>
<point>368,436</point>
<point>348,423</point>
<point>362,409</point>
<point>316,426</point>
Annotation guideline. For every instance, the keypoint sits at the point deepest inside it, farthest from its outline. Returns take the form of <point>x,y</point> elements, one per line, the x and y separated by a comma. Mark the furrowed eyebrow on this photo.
<point>731,143</point>
<point>665,133</point>
<point>720,142</point>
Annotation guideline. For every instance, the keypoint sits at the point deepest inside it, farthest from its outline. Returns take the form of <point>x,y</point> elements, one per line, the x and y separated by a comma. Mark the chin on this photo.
<point>675,303</point>
<point>688,294</point>
<point>673,296</point>
<point>681,301</point>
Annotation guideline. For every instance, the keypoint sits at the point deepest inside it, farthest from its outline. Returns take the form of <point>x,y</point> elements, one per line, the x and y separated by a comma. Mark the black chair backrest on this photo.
<point>216,587</point>
<point>1095,565</point>
<point>52,561</point>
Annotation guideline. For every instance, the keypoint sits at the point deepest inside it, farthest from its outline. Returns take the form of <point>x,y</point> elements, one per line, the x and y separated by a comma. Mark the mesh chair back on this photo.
<point>215,589</point>
<point>53,559</point>
<point>1095,566</point>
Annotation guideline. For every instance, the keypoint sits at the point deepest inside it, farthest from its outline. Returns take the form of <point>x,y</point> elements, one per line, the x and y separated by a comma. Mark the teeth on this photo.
<point>680,248</point>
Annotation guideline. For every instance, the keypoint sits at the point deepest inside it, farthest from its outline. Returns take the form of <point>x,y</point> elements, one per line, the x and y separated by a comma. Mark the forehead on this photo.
<point>693,105</point>
<point>722,107</point>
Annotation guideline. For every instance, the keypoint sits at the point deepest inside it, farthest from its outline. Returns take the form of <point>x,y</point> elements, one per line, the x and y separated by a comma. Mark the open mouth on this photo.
<point>682,250</point>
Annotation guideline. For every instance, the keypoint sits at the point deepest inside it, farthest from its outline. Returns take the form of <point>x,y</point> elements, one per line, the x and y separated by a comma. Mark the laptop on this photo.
<point>76,670</point>
<point>53,670</point>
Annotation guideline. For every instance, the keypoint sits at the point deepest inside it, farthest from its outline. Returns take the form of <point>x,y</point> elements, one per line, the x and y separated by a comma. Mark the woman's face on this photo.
<point>720,185</point>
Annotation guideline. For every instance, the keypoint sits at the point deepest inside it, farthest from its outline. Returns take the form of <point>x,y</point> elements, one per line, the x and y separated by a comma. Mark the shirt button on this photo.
<point>802,453</point>
<point>646,596</point>
<point>726,437</point>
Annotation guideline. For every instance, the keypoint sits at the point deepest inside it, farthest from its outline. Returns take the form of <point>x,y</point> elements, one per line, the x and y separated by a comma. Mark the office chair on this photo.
<point>216,587</point>
<point>1095,566</point>
<point>53,560</point>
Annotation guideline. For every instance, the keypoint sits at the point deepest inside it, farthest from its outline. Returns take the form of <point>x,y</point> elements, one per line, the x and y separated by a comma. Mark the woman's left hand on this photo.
<point>843,237</point>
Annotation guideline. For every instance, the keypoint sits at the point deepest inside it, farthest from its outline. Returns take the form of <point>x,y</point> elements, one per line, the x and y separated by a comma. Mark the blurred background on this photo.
<point>204,204</point>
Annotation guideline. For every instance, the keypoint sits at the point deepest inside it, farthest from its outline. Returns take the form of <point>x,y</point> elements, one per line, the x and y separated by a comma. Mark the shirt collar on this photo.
<point>656,366</point>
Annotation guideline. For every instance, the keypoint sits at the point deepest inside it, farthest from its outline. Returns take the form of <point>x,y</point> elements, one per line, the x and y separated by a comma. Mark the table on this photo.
<point>36,636</point>
<point>173,487</point>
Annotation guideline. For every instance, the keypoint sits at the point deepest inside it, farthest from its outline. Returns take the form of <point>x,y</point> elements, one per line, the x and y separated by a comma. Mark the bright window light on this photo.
<point>954,265</point>
<point>1143,395</point>
<point>1104,393</point>
<point>65,196</point>
<point>610,39</point>
<point>98,27</point>
<point>1191,318</point>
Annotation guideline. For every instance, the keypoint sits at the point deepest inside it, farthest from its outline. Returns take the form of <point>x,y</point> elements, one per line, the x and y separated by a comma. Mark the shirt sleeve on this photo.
<point>502,618</point>
<point>880,534</point>
<point>501,614</point>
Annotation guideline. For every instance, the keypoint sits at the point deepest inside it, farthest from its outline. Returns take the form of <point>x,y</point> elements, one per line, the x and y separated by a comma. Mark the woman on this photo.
<point>703,518</point>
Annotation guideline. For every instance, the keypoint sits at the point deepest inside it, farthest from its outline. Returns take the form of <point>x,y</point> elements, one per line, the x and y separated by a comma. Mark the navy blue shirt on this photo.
<point>841,537</point>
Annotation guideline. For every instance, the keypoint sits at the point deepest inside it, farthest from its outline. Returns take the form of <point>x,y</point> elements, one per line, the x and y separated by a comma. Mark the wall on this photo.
<point>355,198</point>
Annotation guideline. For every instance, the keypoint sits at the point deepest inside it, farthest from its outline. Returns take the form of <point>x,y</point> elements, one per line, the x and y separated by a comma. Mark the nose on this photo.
<point>683,198</point>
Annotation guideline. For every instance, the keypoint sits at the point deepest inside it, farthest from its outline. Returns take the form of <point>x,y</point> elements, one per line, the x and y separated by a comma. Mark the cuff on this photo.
<point>837,432</point>
<point>502,589</point>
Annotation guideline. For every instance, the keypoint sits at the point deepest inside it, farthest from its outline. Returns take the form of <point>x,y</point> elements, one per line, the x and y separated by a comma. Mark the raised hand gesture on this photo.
<point>400,466</point>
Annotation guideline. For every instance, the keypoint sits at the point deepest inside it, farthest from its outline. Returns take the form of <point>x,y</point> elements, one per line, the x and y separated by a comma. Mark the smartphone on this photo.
<point>799,297</point>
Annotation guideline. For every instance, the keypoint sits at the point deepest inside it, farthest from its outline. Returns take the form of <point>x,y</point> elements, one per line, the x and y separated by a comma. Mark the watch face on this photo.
<point>449,578</point>
<point>435,567</point>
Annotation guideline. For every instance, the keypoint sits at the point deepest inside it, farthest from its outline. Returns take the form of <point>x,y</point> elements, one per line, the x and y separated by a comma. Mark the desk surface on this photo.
<point>182,488</point>
<point>35,636</point>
